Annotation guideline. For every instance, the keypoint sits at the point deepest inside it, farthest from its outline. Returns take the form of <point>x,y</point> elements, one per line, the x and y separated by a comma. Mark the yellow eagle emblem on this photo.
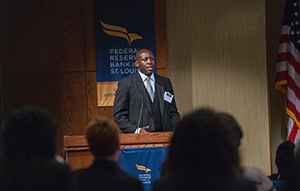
<point>118,31</point>
<point>139,167</point>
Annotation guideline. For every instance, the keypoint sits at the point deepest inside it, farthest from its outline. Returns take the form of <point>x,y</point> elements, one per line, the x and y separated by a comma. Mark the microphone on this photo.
<point>140,114</point>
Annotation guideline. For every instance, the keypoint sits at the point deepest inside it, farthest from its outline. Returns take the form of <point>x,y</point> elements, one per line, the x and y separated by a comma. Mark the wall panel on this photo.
<point>43,37</point>
<point>57,92</point>
<point>219,49</point>
<point>179,32</point>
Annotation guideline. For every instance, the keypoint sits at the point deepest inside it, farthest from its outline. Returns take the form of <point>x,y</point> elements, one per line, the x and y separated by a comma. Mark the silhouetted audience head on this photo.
<point>294,176</point>
<point>284,159</point>
<point>103,137</point>
<point>27,161</point>
<point>29,132</point>
<point>201,154</point>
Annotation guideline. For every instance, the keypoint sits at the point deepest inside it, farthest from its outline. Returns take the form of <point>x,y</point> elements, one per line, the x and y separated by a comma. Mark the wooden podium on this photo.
<point>77,152</point>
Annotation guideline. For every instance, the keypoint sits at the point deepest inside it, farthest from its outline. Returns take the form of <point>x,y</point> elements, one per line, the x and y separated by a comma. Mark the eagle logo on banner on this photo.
<point>118,31</point>
<point>139,167</point>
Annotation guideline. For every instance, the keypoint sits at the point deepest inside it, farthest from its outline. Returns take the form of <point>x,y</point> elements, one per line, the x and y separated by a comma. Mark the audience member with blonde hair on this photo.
<point>105,173</point>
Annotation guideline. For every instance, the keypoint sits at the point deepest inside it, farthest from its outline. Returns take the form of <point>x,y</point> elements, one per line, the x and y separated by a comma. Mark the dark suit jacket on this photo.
<point>132,100</point>
<point>106,175</point>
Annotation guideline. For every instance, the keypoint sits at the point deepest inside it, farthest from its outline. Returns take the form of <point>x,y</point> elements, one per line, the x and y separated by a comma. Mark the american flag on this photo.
<point>288,67</point>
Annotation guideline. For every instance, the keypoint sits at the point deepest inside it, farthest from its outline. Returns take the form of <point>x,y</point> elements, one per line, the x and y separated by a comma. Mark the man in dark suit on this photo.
<point>105,174</point>
<point>145,101</point>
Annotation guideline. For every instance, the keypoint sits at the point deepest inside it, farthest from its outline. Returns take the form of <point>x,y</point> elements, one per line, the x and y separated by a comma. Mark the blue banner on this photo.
<point>121,29</point>
<point>143,163</point>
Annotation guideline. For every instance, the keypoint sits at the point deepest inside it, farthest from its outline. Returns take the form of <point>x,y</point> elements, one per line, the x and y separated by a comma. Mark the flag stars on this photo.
<point>295,4</point>
<point>296,13</point>
<point>297,23</point>
<point>298,32</point>
<point>292,32</point>
<point>298,41</point>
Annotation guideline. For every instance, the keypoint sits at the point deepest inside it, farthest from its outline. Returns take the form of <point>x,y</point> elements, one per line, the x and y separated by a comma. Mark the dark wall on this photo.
<point>48,59</point>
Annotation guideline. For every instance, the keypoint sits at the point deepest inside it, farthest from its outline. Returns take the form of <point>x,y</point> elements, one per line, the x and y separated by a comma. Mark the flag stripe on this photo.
<point>290,123</point>
<point>292,112</point>
<point>295,52</point>
<point>294,87</point>
<point>293,133</point>
<point>281,76</point>
<point>284,38</point>
<point>292,98</point>
<point>293,56</point>
<point>282,66</point>
<point>290,58</point>
<point>285,29</point>
<point>284,47</point>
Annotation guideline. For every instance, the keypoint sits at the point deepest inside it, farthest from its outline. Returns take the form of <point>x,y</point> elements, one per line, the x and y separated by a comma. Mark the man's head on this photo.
<point>144,60</point>
<point>103,137</point>
<point>285,158</point>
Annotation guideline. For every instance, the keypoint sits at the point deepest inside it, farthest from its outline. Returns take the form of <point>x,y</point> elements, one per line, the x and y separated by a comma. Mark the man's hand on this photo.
<point>143,129</point>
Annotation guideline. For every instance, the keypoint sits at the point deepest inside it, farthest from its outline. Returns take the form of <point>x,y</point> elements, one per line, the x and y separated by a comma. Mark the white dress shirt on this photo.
<point>152,80</point>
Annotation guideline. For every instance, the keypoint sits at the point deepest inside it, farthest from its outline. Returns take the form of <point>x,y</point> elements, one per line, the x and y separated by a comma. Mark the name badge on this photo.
<point>168,97</point>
